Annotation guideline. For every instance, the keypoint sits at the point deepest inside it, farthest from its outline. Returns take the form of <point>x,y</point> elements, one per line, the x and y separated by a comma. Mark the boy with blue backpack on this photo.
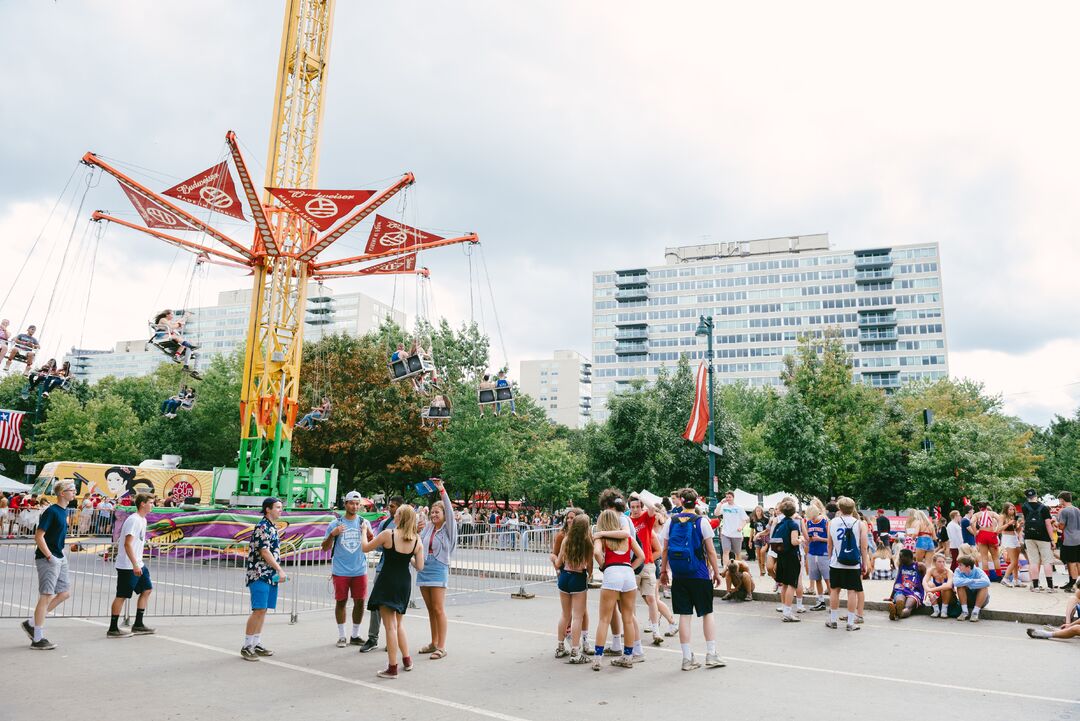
<point>691,557</point>
<point>848,561</point>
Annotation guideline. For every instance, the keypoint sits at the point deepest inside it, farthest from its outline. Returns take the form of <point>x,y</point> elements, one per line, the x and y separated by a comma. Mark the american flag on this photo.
<point>11,430</point>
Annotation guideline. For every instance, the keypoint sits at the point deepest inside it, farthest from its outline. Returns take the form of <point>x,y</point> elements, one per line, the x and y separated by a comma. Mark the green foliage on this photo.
<point>105,430</point>
<point>1059,444</point>
<point>799,454</point>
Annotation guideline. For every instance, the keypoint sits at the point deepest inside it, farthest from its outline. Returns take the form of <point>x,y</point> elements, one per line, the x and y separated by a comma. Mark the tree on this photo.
<point>799,450</point>
<point>105,430</point>
<point>1059,444</point>
<point>555,473</point>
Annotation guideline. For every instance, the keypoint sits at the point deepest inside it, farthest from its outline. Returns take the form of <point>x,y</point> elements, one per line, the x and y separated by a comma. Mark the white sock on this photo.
<point>585,639</point>
<point>687,654</point>
<point>798,602</point>
<point>964,607</point>
<point>256,639</point>
<point>249,641</point>
<point>39,633</point>
<point>341,630</point>
<point>356,630</point>
<point>616,642</point>
<point>710,646</point>
<point>851,618</point>
<point>833,615</point>
<point>656,628</point>
<point>787,610</point>
<point>975,611</point>
<point>637,649</point>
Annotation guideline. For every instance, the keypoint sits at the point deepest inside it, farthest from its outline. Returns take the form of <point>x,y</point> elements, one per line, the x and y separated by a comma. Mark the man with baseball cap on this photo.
<point>1038,527</point>
<point>349,570</point>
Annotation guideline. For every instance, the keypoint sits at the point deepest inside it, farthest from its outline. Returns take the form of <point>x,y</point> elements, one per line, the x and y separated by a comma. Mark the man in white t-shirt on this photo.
<point>956,536</point>
<point>132,575</point>
<point>731,529</point>
<point>848,558</point>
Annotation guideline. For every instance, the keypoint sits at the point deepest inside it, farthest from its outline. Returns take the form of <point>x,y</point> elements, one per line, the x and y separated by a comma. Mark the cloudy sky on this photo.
<point>578,136</point>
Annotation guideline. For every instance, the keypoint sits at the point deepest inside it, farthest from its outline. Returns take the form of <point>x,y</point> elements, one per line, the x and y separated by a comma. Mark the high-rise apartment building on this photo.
<point>763,294</point>
<point>220,329</point>
<point>562,386</point>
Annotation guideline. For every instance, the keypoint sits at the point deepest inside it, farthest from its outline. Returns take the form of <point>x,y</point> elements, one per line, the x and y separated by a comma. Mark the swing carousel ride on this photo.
<point>295,225</point>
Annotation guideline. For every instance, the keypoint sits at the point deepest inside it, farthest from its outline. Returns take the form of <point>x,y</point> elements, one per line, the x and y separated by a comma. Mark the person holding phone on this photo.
<point>439,538</point>
<point>264,573</point>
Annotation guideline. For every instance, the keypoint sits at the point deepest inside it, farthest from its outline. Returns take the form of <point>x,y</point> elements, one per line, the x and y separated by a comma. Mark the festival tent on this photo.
<point>748,501</point>
<point>8,485</point>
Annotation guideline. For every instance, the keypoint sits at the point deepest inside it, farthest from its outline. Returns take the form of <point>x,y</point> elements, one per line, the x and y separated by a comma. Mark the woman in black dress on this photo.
<point>393,586</point>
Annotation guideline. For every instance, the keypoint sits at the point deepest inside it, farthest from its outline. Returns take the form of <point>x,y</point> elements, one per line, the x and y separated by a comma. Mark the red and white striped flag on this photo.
<point>699,416</point>
<point>11,430</point>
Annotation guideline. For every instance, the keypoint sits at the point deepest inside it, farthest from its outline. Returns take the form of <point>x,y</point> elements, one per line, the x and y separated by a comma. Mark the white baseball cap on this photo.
<point>353,496</point>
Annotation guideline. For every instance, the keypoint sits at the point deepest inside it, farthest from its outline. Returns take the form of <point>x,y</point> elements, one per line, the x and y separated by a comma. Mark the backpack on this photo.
<point>849,554</point>
<point>686,552</point>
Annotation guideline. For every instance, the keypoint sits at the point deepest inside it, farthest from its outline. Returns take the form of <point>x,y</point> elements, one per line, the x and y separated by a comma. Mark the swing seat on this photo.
<point>504,395</point>
<point>436,412</point>
<point>187,405</point>
<point>410,366</point>
<point>486,396</point>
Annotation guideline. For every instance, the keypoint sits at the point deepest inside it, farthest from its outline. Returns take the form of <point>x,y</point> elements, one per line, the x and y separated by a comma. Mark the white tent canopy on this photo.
<point>7,485</point>
<point>748,501</point>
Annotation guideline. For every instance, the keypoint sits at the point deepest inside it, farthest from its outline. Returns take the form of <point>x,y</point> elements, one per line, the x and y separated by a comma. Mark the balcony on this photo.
<point>875,260</point>
<point>631,323</point>
<point>629,294</point>
<point>869,336</point>
<point>631,348</point>
<point>874,276</point>
<point>631,278</point>
<point>882,380</point>
<point>320,316</point>
<point>877,319</point>
<point>635,333</point>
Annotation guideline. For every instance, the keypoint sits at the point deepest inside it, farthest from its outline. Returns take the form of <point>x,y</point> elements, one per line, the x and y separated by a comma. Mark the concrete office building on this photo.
<point>562,386</point>
<point>222,328</point>
<point>763,294</point>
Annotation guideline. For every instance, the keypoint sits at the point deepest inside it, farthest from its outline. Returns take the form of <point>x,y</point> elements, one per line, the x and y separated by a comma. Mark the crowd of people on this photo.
<point>20,513</point>
<point>669,549</point>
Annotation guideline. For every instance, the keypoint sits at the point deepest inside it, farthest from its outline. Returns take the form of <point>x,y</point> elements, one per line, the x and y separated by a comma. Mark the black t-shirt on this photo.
<point>1035,515</point>
<point>53,522</point>
<point>883,524</point>
<point>783,531</point>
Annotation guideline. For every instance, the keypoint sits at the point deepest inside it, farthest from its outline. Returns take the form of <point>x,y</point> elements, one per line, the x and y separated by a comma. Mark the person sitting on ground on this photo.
<point>739,582</point>
<point>25,345</point>
<point>907,591</point>
<point>938,586</point>
<point>972,587</point>
<point>1069,629</point>
<point>884,563</point>
<point>316,414</point>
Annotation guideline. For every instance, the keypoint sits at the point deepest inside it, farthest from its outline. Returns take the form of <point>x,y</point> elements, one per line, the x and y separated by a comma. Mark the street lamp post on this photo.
<point>705,328</point>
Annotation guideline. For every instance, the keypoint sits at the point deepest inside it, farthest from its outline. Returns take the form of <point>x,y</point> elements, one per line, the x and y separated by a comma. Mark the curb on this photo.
<point>1025,617</point>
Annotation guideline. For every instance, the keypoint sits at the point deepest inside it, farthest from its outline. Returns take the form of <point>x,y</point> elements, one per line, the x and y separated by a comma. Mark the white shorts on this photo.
<point>619,578</point>
<point>1009,540</point>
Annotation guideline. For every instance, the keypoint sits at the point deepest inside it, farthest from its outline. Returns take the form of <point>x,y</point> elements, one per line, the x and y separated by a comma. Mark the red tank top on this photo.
<point>614,558</point>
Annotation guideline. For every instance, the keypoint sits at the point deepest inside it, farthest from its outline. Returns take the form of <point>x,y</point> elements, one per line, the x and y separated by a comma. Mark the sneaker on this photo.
<point>587,649</point>
<point>647,629</point>
<point>28,629</point>
<point>749,596</point>
<point>790,619</point>
<point>142,630</point>
<point>356,641</point>
<point>596,663</point>
<point>962,617</point>
<point>830,624</point>
<point>623,662</point>
<point>43,645</point>
<point>342,642</point>
<point>1037,633</point>
<point>612,652</point>
<point>819,606</point>
<point>261,650</point>
<point>671,632</point>
<point>368,645</point>
<point>561,652</point>
<point>936,613</point>
<point>974,618</point>
<point>689,664</point>
<point>1068,588</point>
<point>800,609</point>
<point>1006,582</point>
<point>387,673</point>
<point>713,660</point>
<point>853,627</point>
<point>893,611</point>
<point>638,658</point>
<point>657,639</point>
<point>779,609</point>
<point>859,619</point>
<point>248,654</point>
<point>406,663</point>
<point>727,596</point>
<point>118,633</point>
<point>577,658</point>
<point>1035,589</point>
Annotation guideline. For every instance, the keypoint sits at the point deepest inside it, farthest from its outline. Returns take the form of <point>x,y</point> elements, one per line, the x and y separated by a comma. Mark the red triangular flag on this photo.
<point>404,264</point>
<point>213,188</point>
<point>322,208</point>
<point>387,235</point>
<point>699,416</point>
<point>154,214</point>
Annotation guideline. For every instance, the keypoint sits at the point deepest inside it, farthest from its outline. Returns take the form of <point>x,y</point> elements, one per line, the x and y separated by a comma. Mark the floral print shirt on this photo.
<point>265,535</point>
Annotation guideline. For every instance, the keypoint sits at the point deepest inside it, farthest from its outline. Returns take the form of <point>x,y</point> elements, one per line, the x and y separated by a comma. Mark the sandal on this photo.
<point>439,653</point>
<point>430,648</point>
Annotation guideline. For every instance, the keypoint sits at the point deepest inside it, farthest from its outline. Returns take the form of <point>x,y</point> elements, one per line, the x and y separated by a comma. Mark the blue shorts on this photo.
<point>263,595</point>
<point>573,581</point>
<point>435,573</point>
<point>924,543</point>
<point>127,583</point>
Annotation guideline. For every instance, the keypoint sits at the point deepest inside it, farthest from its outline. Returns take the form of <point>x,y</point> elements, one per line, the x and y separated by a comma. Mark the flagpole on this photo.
<point>705,328</point>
